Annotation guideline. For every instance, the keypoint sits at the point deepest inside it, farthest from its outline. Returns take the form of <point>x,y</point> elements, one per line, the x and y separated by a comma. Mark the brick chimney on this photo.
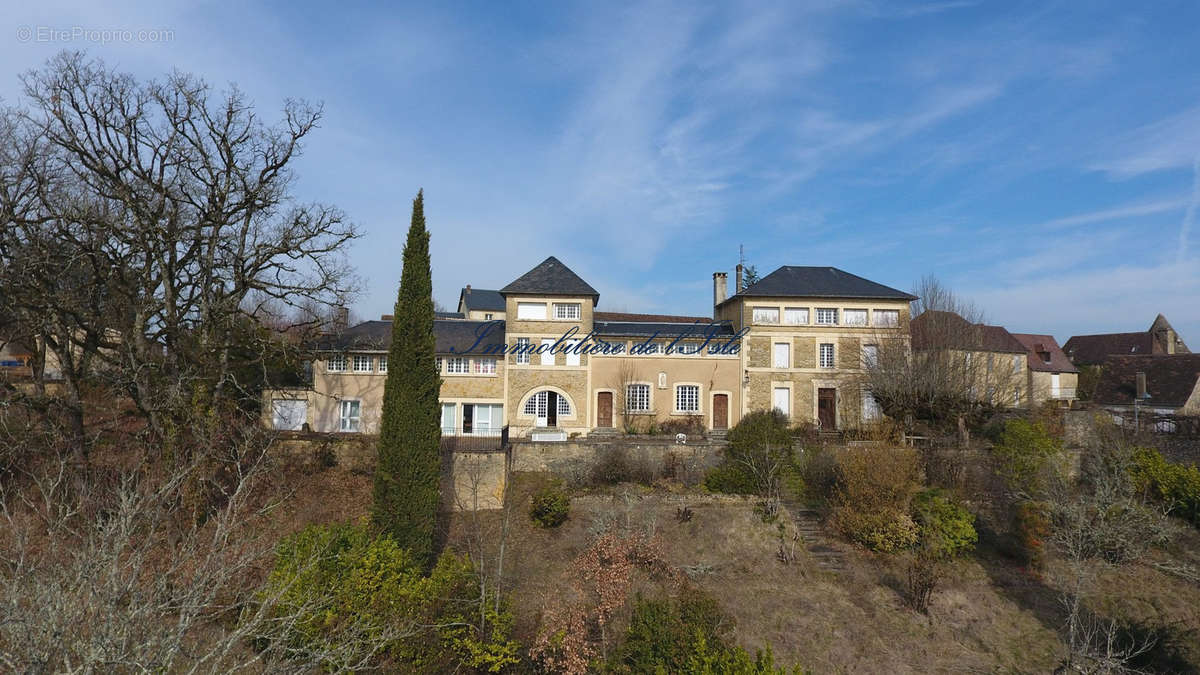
<point>720,289</point>
<point>738,287</point>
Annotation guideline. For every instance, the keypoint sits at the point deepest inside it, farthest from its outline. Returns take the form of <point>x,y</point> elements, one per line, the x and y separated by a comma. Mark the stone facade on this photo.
<point>823,339</point>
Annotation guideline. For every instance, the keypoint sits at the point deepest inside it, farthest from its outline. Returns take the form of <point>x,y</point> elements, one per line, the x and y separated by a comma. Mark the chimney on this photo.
<point>340,319</point>
<point>468,289</point>
<point>720,289</point>
<point>387,317</point>
<point>739,279</point>
<point>1170,341</point>
<point>1141,385</point>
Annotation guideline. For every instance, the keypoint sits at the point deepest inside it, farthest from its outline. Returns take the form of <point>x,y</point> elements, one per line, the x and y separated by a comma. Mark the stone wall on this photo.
<point>477,479</point>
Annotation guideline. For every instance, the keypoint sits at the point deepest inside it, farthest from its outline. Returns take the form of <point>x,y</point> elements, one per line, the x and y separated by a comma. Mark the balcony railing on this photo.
<point>1062,393</point>
<point>457,439</point>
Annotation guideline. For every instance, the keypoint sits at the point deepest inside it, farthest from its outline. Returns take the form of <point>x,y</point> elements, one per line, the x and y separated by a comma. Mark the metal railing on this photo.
<point>1062,393</point>
<point>457,439</point>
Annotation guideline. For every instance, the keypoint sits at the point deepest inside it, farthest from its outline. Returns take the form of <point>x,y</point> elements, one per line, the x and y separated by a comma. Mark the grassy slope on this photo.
<point>991,617</point>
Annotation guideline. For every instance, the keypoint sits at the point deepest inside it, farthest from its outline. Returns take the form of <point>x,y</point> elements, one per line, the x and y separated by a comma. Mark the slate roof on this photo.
<point>377,336</point>
<point>551,277</point>
<point>1170,380</point>
<point>448,315</point>
<point>947,330</point>
<point>481,299</point>
<point>819,282</point>
<point>1085,350</point>
<point>1035,345</point>
<point>664,329</point>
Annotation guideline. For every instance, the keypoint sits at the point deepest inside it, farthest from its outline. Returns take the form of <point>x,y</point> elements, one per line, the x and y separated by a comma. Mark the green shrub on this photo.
<point>1023,453</point>
<point>760,440</point>
<point>688,635</point>
<point>550,506</point>
<point>350,587</point>
<point>730,479</point>
<point>883,531</point>
<point>946,529</point>
<point>1176,486</point>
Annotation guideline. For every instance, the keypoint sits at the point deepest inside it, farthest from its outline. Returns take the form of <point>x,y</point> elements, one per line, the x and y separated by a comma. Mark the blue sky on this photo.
<point>1043,159</point>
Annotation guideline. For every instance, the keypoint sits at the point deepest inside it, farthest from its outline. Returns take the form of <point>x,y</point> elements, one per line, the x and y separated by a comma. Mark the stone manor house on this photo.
<point>796,340</point>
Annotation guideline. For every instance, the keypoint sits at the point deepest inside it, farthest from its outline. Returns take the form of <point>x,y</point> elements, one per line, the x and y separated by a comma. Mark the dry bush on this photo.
<point>874,487</point>
<point>150,568</point>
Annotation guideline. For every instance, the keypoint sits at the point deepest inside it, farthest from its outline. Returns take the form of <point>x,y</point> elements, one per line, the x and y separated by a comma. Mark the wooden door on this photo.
<point>551,409</point>
<point>720,410</point>
<point>827,409</point>
<point>604,409</point>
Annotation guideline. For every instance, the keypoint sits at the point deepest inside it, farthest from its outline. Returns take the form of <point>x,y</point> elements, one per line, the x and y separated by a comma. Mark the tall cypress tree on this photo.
<point>407,478</point>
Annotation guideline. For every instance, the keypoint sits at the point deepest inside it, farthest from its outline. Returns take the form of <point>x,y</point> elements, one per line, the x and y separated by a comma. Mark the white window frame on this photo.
<point>651,349</point>
<point>691,400</point>
<point>548,354</point>
<point>362,363</point>
<point>336,363</point>
<point>823,313</point>
<point>637,397</point>
<point>572,356</point>
<point>784,350</point>
<point>870,407</point>
<point>531,311</point>
<point>346,422</point>
<point>451,429</point>
<point>483,366</point>
<point>437,364</point>
<point>870,361</point>
<point>1017,396</point>
<point>831,362</point>
<point>765,315</point>
<point>1016,365</point>
<point>847,313</point>
<point>458,365</point>
<point>892,322</point>
<point>487,316</point>
<point>787,400</point>
<point>567,311</point>
<point>382,363</point>
<point>523,356</point>
<point>800,314</point>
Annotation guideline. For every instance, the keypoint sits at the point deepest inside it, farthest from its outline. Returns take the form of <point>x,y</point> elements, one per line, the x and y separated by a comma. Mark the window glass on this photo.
<point>826,316</point>
<point>887,318</point>
<point>687,398</point>
<point>796,316</point>
<point>826,355</point>
<point>766,315</point>
<point>637,398</point>
<point>566,310</point>
<point>854,317</point>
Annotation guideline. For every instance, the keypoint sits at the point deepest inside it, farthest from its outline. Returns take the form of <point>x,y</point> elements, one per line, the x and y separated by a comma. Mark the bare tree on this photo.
<point>172,207</point>
<point>1099,521</point>
<point>628,373</point>
<point>950,367</point>
<point>141,572</point>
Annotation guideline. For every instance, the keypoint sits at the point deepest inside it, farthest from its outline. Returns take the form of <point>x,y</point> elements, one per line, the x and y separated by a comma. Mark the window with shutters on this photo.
<point>781,355</point>
<point>769,315</point>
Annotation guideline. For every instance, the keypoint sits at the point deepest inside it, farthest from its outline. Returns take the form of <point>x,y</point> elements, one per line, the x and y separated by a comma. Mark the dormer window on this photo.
<point>1045,356</point>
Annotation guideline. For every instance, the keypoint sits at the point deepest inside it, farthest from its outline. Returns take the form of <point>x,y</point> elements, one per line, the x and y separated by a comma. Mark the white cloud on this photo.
<point>1170,143</point>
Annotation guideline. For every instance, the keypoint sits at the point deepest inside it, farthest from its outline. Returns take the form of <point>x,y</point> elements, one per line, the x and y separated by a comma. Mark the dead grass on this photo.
<point>990,616</point>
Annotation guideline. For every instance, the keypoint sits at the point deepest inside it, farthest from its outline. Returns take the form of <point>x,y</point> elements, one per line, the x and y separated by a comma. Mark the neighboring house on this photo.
<point>1171,382</point>
<point>481,304</point>
<point>1092,350</point>
<point>15,358</point>
<point>809,330</point>
<point>987,362</point>
<point>1052,376</point>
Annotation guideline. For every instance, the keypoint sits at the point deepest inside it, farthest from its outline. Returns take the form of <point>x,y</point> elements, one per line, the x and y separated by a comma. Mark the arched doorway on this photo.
<point>546,407</point>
